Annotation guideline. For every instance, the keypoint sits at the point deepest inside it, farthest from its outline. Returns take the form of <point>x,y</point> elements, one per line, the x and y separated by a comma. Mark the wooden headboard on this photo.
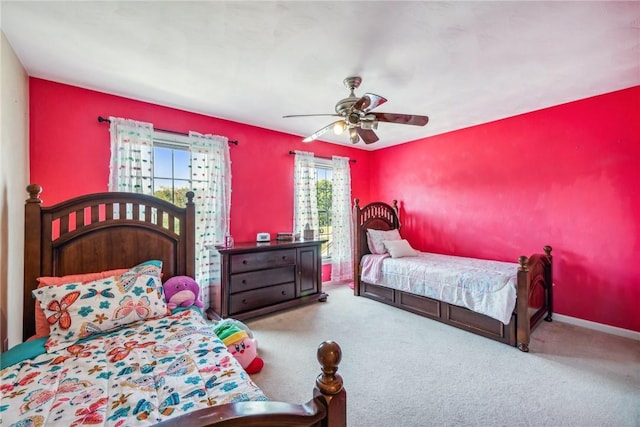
<point>377,215</point>
<point>103,231</point>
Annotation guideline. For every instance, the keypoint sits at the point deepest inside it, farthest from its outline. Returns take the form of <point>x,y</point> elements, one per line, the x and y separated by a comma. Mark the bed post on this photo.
<point>356,244</point>
<point>190,230</point>
<point>523,332</point>
<point>397,211</point>
<point>33,255</point>
<point>329,390</point>
<point>549,282</point>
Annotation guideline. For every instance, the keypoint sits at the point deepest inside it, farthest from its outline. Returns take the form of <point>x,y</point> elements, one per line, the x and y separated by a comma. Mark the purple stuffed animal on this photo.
<point>182,291</point>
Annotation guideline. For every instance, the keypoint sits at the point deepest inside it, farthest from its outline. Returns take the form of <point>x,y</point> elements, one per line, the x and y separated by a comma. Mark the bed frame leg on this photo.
<point>523,347</point>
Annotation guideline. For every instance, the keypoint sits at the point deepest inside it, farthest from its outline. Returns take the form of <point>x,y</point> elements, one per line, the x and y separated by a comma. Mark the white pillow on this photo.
<point>376,237</point>
<point>399,248</point>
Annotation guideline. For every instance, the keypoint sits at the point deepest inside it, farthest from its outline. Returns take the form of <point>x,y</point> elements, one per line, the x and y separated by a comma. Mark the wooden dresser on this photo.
<point>260,278</point>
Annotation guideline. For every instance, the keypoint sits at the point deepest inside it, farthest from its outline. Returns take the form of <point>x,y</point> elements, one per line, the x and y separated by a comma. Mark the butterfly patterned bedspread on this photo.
<point>141,375</point>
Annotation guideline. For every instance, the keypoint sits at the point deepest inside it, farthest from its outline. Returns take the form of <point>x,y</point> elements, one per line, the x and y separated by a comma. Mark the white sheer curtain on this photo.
<point>211,182</point>
<point>131,165</point>
<point>342,249</point>
<point>131,169</point>
<point>304,192</point>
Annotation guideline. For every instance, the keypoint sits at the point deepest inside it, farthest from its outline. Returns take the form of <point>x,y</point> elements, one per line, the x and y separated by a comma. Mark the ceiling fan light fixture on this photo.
<point>339,127</point>
<point>369,124</point>
<point>309,138</point>
<point>353,135</point>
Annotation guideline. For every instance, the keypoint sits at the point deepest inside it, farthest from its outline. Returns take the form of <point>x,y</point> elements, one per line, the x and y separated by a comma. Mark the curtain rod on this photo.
<point>102,119</point>
<point>323,157</point>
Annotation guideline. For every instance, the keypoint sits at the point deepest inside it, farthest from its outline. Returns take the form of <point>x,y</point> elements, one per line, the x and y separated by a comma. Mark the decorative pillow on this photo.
<point>376,237</point>
<point>399,248</point>
<point>79,310</point>
<point>42,326</point>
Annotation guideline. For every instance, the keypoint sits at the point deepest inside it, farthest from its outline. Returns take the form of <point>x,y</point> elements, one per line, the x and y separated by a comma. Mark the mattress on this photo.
<point>484,286</point>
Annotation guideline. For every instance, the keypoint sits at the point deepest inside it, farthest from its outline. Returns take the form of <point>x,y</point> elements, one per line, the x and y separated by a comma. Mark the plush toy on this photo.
<point>240,344</point>
<point>182,291</point>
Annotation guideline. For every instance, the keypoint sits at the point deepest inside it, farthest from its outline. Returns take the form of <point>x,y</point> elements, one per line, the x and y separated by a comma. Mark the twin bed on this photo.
<point>498,300</point>
<point>111,353</point>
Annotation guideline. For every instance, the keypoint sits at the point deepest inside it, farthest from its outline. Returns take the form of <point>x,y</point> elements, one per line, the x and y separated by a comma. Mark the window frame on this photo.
<point>172,141</point>
<point>326,164</point>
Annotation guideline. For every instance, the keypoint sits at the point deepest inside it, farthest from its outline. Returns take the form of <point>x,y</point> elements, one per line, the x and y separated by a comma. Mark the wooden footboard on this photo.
<point>534,287</point>
<point>327,408</point>
<point>535,295</point>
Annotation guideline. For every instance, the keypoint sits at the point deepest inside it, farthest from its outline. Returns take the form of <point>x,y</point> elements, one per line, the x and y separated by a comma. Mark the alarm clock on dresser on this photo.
<point>263,237</point>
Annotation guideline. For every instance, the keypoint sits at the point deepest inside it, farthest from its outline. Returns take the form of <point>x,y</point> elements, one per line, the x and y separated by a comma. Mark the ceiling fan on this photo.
<point>357,117</point>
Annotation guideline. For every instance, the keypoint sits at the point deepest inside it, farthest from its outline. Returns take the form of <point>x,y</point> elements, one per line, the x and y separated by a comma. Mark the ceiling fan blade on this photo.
<point>318,133</point>
<point>353,135</point>
<point>404,119</point>
<point>367,135</point>
<point>368,102</point>
<point>310,115</point>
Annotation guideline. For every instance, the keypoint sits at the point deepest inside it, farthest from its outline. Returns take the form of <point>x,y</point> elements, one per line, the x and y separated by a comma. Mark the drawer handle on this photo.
<point>284,257</point>
<point>284,292</point>
<point>244,301</point>
<point>244,261</point>
<point>244,281</point>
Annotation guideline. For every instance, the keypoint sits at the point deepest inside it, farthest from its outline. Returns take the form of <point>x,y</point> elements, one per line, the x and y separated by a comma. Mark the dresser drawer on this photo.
<point>258,298</point>
<point>258,260</point>
<point>242,282</point>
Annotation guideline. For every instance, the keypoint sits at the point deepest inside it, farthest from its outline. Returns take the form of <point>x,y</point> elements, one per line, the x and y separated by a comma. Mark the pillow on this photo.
<point>79,310</point>
<point>399,248</point>
<point>42,326</point>
<point>376,237</point>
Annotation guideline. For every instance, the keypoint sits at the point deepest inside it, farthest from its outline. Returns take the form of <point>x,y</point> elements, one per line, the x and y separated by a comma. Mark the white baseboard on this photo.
<point>627,333</point>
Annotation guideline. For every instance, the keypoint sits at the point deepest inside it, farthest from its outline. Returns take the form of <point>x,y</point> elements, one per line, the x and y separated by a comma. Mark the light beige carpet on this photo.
<point>400,369</point>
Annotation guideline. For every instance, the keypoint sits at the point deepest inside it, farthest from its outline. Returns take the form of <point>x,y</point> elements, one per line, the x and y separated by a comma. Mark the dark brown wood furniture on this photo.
<point>263,277</point>
<point>105,231</point>
<point>534,287</point>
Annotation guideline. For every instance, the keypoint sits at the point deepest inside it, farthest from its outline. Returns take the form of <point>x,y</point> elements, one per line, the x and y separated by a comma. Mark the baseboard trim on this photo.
<point>337,282</point>
<point>613,330</point>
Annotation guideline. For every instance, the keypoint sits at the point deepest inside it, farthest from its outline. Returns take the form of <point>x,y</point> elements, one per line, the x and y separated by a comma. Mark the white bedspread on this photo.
<point>483,286</point>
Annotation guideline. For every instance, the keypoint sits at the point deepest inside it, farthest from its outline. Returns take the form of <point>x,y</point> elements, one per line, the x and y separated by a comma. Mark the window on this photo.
<point>322,193</point>
<point>171,168</point>
<point>323,197</point>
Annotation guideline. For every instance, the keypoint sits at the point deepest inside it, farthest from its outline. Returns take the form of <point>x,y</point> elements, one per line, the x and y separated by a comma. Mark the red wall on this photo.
<point>69,153</point>
<point>566,176</point>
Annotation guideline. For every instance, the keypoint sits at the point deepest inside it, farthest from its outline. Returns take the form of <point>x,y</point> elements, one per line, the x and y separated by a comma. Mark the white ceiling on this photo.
<point>460,63</point>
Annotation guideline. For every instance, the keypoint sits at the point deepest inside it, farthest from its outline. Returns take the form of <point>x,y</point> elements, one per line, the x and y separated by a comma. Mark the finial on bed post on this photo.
<point>329,384</point>
<point>356,203</point>
<point>523,260</point>
<point>329,356</point>
<point>34,191</point>
<point>547,250</point>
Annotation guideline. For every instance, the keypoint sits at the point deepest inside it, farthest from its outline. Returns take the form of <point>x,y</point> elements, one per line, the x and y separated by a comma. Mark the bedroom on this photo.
<point>582,156</point>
